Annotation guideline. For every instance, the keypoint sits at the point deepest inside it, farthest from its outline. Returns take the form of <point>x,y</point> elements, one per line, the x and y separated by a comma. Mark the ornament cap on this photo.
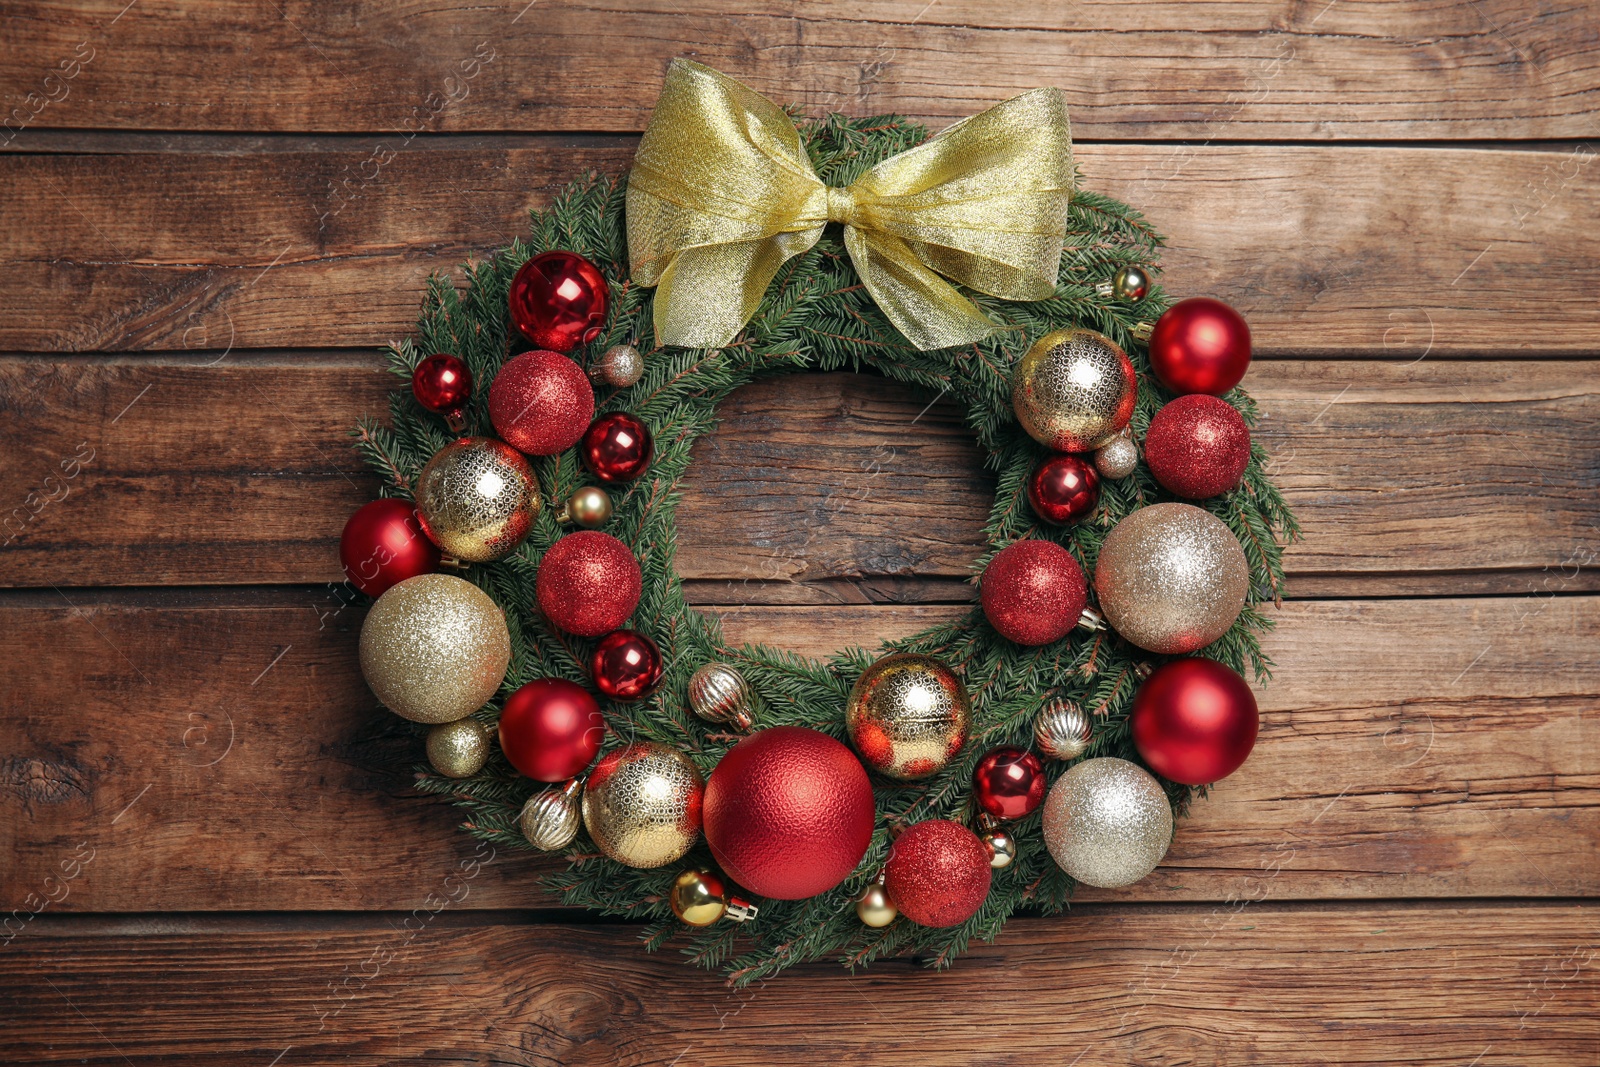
<point>1141,331</point>
<point>1091,620</point>
<point>741,910</point>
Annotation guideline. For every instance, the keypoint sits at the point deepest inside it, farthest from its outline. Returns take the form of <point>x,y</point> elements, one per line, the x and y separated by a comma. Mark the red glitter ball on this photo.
<point>1198,446</point>
<point>442,383</point>
<point>938,873</point>
<point>617,448</point>
<point>1063,489</point>
<point>626,665</point>
<point>541,403</point>
<point>1033,592</point>
<point>559,300</point>
<point>589,583</point>
<point>1009,782</point>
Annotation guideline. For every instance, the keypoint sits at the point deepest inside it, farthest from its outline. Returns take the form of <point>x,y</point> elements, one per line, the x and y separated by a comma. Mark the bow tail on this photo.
<point>928,310</point>
<point>707,294</point>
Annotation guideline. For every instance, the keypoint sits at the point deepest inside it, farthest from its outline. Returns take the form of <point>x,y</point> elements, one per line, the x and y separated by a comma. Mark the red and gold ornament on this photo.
<point>626,665</point>
<point>541,403</point>
<point>1194,721</point>
<point>617,447</point>
<point>1009,782</point>
<point>442,383</point>
<point>938,873</point>
<point>1198,446</point>
<point>588,583</point>
<point>383,545</point>
<point>1200,345</point>
<point>559,301</point>
<point>1063,489</point>
<point>551,729</point>
<point>1033,592</point>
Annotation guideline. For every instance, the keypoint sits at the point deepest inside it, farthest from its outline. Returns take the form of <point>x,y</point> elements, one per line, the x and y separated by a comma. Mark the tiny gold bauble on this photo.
<point>1062,729</point>
<point>718,693</point>
<point>434,648</point>
<point>550,818</point>
<point>874,908</point>
<point>1117,458</point>
<point>908,715</point>
<point>458,749</point>
<point>1074,390</point>
<point>698,898</point>
<point>588,506</point>
<point>1002,848</point>
<point>642,804</point>
<point>477,499</point>
<point>1130,283</point>
<point>620,366</point>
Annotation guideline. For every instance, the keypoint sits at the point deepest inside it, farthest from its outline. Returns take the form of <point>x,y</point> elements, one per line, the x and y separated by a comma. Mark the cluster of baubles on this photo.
<point>789,812</point>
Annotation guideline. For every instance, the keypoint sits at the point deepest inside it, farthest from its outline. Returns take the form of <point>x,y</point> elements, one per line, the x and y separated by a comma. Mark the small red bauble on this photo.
<point>541,402</point>
<point>383,545</point>
<point>626,665</point>
<point>589,583</point>
<point>559,300</point>
<point>617,447</point>
<point>1009,782</point>
<point>1198,446</point>
<point>1194,721</point>
<point>789,813</point>
<point>551,729</point>
<point>1063,489</point>
<point>1033,592</point>
<point>1200,346</point>
<point>442,384</point>
<point>938,873</point>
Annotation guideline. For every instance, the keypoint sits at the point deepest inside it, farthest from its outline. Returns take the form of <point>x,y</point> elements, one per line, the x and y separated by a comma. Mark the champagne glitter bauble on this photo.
<point>551,817</point>
<point>1062,729</point>
<point>642,804</point>
<point>1171,578</point>
<point>908,715</point>
<point>1198,446</point>
<point>458,749</point>
<point>434,648</point>
<point>1117,458</point>
<point>541,403</point>
<point>937,873</point>
<point>1107,822</point>
<point>874,908</point>
<point>477,498</point>
<point>718,693</point>
<point>620,367</point>
<point>1074,390</point>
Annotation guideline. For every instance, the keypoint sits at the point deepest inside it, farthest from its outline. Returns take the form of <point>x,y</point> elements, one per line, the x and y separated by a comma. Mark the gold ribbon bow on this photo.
<point>722,194</point>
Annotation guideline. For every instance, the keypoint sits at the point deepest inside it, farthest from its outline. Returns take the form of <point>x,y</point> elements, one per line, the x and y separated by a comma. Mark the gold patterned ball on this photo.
<point>1171,578</point>
<point>551,817</point>
<point>1074,390</point>
<point>620,367</point>
<point>434,648</point>
<point>718,693</point>
<point>477,498</point>
<point>642,804</point>
<point>1107,822</point>
<point>908,715</point>
<point>1117,458</point>
<point>458,749</point>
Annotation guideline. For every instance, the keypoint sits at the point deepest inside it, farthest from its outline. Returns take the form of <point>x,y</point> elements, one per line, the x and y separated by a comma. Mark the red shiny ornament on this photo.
<point>1063,489</point>
<point>559,300</point>
<point>588,583</point>
<point>442,384</point>
<point>551,729</point>
<point>617,447</point>
<point>1194,721</point>
<point>789,812</point>
<point>626,665</point>
<point>1198,446</point>
<point>938,873</point>
<point>383,545</point>
<point>541,402</point>
<point>1200,346</point>
<point>1009,782</point>
<point>1033,592</point>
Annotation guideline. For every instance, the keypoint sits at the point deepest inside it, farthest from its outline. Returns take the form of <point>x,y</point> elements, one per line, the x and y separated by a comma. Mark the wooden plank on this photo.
<point>1247,70</point>
<point>1490,984</point>
<point>1398,252</point>
<point>815,489</point>
<point>218,751</point>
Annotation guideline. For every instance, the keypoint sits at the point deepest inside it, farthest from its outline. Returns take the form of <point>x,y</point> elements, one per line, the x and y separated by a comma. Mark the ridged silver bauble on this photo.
<point>551,817</point>
<point>1062,729</point>
<point>718,693</point>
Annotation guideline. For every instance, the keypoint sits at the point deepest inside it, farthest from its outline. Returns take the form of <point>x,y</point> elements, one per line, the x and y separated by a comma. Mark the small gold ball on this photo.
<point>589,507</point>
<point>1130,283</point>
<point>620,366</point>
<point>1002,848</point>
<point>698,898</point>
<point>874,908</point>
<point>458,749</point>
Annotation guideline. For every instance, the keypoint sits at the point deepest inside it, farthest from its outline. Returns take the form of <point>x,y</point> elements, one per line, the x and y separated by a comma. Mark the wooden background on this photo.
<point>212,216</point>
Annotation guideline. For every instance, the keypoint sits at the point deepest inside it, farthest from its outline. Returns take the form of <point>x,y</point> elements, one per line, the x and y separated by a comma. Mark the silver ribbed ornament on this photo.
<point>718,693</point>
<point>1062,729</point>
<point>551,817</point>
<point>1107,822</point>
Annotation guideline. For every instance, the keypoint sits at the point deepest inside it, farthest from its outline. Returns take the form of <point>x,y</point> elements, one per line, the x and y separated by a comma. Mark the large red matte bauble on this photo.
<point>938,873</point>
<point>589,583</point>
<point>1063,489</point>
<point>1194,721</point>
<point>1198,446</point>
<point>1200,346</point>
<point>789,812</point>
<point>559,300</point>
<point>541,402</point>
<point>442,383</point>
<point>383,545</point>
<point>1033,592</point>
<point>551,729</point>
<point>1009,782</point>
<point>626,665</point>
<point>617,447</point>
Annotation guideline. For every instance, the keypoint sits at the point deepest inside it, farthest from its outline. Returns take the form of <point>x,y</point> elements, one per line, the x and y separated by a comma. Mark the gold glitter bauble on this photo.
<point>718,693</point>
<point>1171,578</point>
<point>477,498</point>
<point>621,366</point>
<point>1117,458</point>
<point>908,715</point>
<point>874,908</point>
<point>642,804</point>
<point>1062,730</point>
<point>1074,390</point>
<point>1107,822</point>
<point>589,507</point>
<point>458,749</point>
<point>550,818</point>
<point>434,648</point>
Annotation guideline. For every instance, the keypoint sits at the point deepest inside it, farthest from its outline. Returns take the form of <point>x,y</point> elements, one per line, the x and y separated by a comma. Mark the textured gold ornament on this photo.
<point>718,693</point>
<point>698,898</point>
<point>1117,458</point>
<point>874,908</point>
<point>642,804</point>
<point>458,749</point>
<point>434,648</point>
<point>1074,390</point>
<point>588,506</point>
<point>1171,578</point>
<point>1002,848</point>
<point>619,367</point>
<point>477,499</point>
<point>1062,729</point>
<point>908,715</point>
<point>550,818</point>
<point>1107,822</point>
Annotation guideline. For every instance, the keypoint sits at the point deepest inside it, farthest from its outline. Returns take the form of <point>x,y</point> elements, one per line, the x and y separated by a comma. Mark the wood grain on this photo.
<point>1250,982</point>
<point>1401,253</point>
<point>1165,71</point>
<point>220,751</point>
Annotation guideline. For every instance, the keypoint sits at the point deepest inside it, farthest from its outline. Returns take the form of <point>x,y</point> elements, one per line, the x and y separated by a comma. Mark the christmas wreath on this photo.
<point>897,801</point>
